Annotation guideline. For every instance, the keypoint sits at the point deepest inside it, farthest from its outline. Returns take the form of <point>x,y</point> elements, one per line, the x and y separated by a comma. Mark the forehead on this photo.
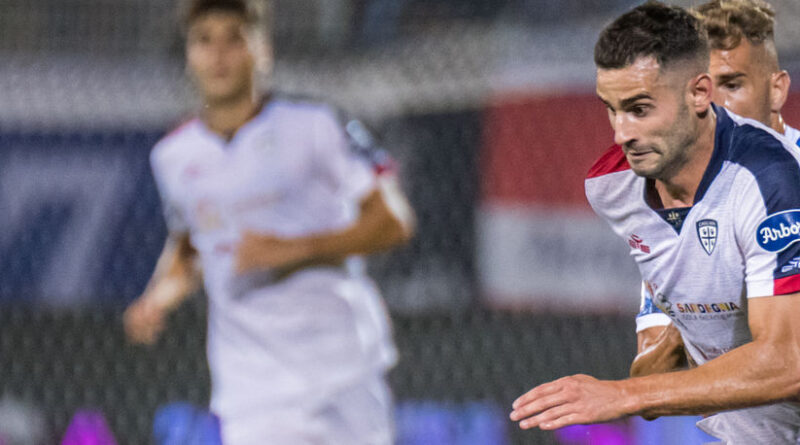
<point>643,76</point>
<point>744,58</point>
<point>218,20</point>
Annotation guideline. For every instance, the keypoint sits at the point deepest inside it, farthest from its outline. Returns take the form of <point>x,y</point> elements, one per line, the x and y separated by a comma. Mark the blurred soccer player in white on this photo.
<point>269,201</point>
<point>712,201</point>
<point>748,81</point>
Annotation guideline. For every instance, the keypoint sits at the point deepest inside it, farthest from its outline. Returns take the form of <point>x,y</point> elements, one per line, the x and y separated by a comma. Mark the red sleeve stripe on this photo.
<point>787,285</point>
<point>612,161</point>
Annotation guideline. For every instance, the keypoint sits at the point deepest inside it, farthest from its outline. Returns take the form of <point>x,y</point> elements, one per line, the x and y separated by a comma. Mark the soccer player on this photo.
<point>271,201</point>
<point>715,198</point>
<point>744,64</point>
<point>749,82</point>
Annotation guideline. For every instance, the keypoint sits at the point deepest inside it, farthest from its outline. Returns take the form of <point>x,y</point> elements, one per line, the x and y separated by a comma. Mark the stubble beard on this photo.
<point>675,152</point>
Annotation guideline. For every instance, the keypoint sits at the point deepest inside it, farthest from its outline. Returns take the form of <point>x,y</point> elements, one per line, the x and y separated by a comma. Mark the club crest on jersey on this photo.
<point>707,234</point>
<point>779,230</point>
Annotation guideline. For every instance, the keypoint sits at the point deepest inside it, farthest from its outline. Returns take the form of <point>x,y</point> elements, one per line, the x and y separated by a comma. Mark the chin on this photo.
<point>216,95</point>
<point>650,172</point>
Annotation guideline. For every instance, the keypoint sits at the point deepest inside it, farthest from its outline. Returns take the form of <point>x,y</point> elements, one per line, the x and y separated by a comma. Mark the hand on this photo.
<point>577,399</point>
<point>257,251</point>
<point>144,321</point>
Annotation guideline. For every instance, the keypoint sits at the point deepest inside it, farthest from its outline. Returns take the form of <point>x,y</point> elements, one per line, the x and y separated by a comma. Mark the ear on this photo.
<point>778,90</point>
<point>699,92</point>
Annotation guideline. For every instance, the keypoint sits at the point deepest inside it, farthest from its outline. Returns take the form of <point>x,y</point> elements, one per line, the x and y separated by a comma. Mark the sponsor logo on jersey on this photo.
<point>791,265</point>
<point>778,231</point>
<point>706,308</point>
<point>637,243</point>
<point>707,234</point>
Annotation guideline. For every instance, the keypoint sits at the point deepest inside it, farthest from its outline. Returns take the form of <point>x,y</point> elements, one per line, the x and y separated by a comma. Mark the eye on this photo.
<point>640,110</point>
<point>731,86</point>
<point>236,38</point>
<point>200,38</point>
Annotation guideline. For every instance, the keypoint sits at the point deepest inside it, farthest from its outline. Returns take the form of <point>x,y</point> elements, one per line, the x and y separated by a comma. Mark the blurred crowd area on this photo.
<point>488,107</point>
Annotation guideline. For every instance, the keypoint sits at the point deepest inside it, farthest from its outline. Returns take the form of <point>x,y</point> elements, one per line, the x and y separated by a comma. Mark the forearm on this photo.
<point>365,237</point>
<point>175,276</point>
<point>753,374</point>
<point>386,220</point>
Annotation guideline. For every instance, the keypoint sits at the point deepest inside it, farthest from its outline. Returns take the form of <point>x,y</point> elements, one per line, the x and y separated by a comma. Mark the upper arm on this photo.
<point>766,223</point>
<point>774,319</point>
<point>776,333</point>
<point>174,215</point>
<point>344,166</point>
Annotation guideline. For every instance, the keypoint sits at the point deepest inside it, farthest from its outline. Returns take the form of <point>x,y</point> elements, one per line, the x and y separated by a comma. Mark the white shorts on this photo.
<point>358,415</point>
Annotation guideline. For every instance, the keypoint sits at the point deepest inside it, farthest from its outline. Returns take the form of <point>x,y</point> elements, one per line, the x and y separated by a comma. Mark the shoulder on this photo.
<point>610,181</point>
<point>611,161</point>
<point>770,161</point>
<point>757,147</point>
<point>765,154</point>
<point>174,141</point>
<point>303,107</point>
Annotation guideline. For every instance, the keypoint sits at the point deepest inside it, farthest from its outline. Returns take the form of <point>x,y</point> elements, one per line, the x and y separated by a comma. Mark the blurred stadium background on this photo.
<point>488,106</point>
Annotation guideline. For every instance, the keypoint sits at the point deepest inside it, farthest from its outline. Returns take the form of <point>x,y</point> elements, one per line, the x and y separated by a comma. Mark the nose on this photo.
<point>623,132</point>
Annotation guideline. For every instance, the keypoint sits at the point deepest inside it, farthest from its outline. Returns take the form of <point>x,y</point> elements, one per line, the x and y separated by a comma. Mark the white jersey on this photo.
<point>793,135</point>
<point>701,264</point>
<point>649,314</point>
<point>289,172</point>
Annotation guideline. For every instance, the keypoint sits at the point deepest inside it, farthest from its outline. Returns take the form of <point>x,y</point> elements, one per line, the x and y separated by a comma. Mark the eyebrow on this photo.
<point>631,100</point>
<point>724,78</point>
<point>627,102</point>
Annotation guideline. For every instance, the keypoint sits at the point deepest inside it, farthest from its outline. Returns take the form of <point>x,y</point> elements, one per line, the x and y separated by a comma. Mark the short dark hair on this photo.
<point>729,21</point>
<point>666,33</point>
<point>200,8</point>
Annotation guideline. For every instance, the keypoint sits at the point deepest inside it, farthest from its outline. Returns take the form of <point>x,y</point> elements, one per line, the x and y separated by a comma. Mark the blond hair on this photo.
<point>729,21</point>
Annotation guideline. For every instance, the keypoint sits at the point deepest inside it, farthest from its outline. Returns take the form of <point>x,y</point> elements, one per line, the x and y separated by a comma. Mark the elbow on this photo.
<point>399,230</point>
<point>793,381</point>
<point>788,361</point>
<point>782,368</point>
<point>407,228</point>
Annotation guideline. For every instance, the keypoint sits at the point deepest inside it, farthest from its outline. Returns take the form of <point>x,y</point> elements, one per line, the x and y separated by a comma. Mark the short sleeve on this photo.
<point>346,164</point>
<point>649,314</point>
<point>173,214</point>
<point>768,230</point>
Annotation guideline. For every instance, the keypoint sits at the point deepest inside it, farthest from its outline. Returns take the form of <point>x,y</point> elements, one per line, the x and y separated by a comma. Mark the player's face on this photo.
<point>220,57</point>
<point>742,81</point>
<point>650,115</point>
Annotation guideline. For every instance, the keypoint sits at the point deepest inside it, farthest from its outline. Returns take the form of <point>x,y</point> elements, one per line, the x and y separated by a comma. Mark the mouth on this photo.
<point>638,154</point>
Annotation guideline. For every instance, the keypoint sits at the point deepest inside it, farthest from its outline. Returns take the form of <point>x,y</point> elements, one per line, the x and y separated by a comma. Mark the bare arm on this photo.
<point>660,349</point>
<point>174,279</point>
<point>764,370</point>
<point>385,220</point>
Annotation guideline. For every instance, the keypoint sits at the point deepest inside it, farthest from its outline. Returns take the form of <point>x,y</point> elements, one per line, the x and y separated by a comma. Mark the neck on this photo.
<point>777,123</point>
<point>679,189</point>
<point>226,116</point>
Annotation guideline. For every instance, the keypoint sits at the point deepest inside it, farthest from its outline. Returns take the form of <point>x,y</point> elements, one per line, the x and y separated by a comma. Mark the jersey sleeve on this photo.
<point>173,214</point>
<point>768,230</point>
<point>346,157</point>
<point>649,314</point>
